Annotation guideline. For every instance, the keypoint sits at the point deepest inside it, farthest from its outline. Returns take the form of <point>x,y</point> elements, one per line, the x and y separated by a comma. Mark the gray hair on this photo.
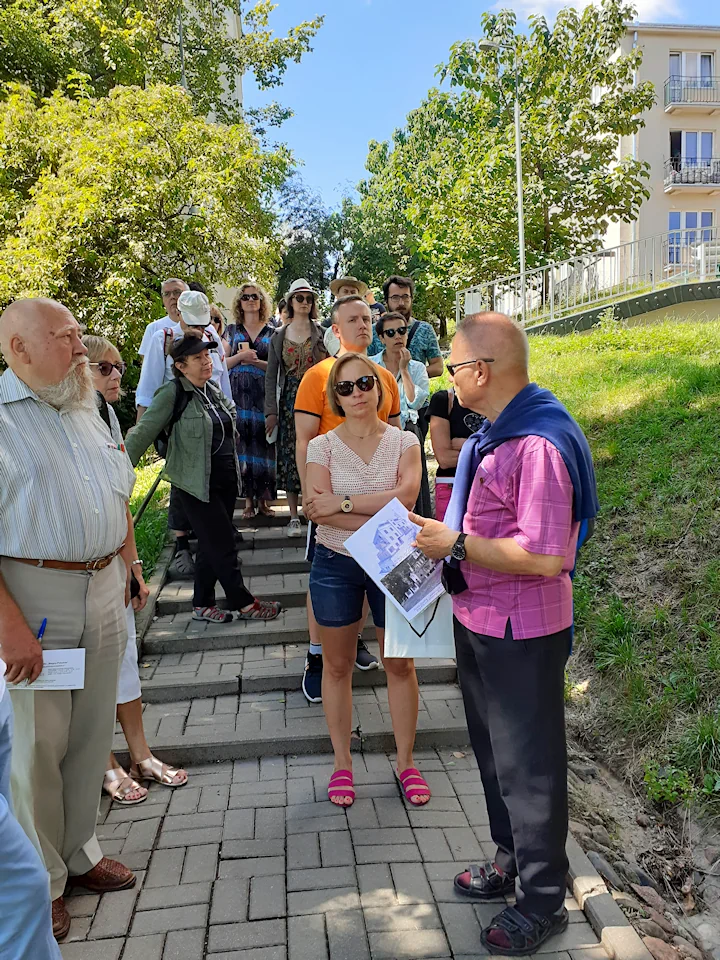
<point>172,280</point>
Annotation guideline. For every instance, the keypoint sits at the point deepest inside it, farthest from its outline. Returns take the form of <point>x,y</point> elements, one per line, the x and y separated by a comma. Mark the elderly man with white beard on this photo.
<point>64,490</point>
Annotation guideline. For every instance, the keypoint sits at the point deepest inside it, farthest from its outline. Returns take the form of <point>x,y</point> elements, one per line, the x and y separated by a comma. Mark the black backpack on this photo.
<point>182,399</point>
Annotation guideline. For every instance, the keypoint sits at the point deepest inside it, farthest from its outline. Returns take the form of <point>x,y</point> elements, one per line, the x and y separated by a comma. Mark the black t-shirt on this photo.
<point>222,438</point>
<point>463,422</point>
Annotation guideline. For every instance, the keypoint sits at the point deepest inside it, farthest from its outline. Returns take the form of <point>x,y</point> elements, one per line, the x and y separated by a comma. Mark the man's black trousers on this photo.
<point>212,522</point>
<point>514,703</point>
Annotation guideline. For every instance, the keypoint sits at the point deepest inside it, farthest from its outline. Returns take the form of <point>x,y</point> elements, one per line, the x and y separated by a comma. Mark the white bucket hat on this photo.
<point>300,286</point>
<point>194,308</point>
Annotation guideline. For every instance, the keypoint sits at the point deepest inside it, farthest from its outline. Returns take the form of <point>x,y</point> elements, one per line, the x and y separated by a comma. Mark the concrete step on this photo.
<point>187,676</point>
<point>287,557</point>
<point>179,633</point>
<point>273,723</point>
<point>290,589</point>
<point>281,519</point>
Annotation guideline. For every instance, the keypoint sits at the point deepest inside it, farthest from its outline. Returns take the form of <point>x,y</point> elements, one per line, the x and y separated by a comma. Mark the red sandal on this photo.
<point>413,785</point>
<point>341,785</point>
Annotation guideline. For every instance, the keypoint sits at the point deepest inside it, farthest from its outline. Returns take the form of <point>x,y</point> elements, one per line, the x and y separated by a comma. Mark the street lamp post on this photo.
<point>494,45</point>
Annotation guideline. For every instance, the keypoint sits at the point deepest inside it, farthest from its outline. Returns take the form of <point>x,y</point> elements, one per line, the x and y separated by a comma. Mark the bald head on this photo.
<point>40,341</point>
<point>490,355</point>
<point>496,335</point>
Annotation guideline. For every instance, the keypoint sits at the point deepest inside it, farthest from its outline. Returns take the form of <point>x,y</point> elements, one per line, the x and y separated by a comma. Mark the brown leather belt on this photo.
<point>71,565</point>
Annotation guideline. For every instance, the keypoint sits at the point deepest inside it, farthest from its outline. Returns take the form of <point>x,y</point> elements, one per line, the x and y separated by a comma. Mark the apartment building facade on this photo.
<point>681,136</point>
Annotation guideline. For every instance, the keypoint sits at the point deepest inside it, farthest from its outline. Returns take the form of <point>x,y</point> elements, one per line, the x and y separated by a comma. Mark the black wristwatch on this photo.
<point>458,550</point>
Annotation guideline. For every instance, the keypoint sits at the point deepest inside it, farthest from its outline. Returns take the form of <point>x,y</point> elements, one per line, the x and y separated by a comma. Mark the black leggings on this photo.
<point>213,525</point>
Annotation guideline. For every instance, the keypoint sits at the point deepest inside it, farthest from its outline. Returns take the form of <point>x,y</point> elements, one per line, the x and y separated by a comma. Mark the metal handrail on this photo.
<point>146,500</point>
<point>570,286</point>
<point>692,90</point>
<point>692,170</point>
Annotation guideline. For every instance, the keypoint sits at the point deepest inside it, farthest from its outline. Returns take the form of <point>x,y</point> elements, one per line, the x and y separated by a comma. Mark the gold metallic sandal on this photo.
<point>154,769</point>
<point>119,784</point>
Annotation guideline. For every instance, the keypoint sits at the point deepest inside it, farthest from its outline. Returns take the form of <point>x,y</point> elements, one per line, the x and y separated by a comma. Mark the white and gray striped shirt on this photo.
<point>64,481</point>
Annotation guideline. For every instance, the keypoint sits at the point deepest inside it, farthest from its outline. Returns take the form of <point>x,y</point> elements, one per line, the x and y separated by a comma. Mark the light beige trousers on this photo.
<point>63,738</point>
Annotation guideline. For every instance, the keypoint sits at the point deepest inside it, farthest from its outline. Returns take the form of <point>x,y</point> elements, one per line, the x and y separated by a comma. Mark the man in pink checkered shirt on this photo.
<point>528,483</point>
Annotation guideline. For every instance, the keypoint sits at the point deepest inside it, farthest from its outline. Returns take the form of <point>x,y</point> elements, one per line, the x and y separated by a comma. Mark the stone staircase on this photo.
<point>232,691</point>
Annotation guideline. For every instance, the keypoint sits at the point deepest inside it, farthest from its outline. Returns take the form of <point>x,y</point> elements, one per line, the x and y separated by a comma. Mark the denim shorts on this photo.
<point>338,585</point>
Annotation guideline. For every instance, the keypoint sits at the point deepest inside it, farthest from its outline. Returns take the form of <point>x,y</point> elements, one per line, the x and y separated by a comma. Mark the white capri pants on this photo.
<point>129,678</point>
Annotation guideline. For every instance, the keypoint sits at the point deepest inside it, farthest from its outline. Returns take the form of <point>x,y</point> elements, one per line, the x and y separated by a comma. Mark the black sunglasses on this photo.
<point>299,298</point>
<point>249,296</point>
<point>391,331</point>
<point>452,367</point>
<point>345,387</point>
<point>106,368</point>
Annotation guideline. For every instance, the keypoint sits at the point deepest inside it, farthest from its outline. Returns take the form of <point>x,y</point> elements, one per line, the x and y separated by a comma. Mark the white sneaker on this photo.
<point>294,529</point>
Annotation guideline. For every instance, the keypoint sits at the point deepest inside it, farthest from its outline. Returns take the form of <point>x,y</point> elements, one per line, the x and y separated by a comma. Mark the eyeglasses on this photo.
<point>400,298</point>
<point>452,367</point>
<point>249,296</point>
<point>300,298</point>
<point>391,331</point>
<point>106,368</point>
<point>345,387</point>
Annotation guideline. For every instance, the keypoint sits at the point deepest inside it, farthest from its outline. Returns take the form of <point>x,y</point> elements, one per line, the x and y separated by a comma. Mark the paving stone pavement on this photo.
<point>250,861</point>
<point>279,712</point>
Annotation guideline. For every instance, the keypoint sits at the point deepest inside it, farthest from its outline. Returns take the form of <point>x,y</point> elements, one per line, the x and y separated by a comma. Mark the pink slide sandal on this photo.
<point>341,785</point>
<point>413,785</point>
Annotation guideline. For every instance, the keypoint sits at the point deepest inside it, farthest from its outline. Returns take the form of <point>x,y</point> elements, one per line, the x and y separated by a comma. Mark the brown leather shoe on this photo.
<point>105,877</point>
<point>60,919</point>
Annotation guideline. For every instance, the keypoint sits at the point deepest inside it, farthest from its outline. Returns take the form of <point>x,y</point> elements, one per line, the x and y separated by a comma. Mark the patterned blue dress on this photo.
<point>255,455</point>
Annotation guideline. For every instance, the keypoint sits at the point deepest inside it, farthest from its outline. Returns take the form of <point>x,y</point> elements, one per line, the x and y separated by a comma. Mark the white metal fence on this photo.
<point>570,286</point>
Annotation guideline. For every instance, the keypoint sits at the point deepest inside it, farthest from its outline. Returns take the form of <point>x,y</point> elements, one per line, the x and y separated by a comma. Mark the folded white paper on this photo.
<point>62,670</point>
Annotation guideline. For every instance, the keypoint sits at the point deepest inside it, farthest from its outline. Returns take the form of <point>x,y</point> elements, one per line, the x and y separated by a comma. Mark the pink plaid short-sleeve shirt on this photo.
<point>521,490</point>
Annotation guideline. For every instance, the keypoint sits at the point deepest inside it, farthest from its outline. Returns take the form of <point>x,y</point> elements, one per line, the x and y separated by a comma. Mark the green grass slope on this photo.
<point>646,673</point>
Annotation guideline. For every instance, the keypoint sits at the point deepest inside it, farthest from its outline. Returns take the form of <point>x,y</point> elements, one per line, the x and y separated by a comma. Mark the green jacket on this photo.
<point>187,464</point>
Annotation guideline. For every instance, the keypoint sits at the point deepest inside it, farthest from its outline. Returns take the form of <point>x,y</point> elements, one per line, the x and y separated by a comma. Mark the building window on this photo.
<point>687,228</point>
<point>691,148</point>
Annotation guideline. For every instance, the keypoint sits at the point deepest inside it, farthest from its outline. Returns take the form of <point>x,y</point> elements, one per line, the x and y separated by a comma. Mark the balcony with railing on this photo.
<point>692,175</point>
<point>692,94</point>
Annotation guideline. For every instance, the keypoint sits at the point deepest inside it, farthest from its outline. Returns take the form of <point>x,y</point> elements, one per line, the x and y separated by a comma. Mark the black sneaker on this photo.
<point>312,678</point>
<point>364,660</point>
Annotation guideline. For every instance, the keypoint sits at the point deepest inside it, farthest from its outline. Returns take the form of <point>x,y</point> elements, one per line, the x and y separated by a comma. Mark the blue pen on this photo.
<point>41,631</point>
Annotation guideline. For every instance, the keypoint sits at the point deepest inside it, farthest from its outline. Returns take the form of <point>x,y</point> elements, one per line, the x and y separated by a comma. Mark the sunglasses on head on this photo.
<point>249,296</point>
<point>106,368</point>
<point>345,387</point>
<point>300,298</point>
<point>391,331</point>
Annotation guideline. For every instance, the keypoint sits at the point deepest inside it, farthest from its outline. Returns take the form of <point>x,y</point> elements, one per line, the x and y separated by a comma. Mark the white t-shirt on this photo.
<point>157,366</point>
<point>2,680</point>
<point>151,329</point>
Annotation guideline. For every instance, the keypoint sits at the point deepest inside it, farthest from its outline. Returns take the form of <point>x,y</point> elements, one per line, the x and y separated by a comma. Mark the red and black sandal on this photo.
<point>484,882</point>
<point>515,934</point>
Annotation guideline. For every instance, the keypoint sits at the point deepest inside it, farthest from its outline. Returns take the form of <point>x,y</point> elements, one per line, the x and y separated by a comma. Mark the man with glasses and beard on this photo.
<point>422,341</point>
<point>65,567</point>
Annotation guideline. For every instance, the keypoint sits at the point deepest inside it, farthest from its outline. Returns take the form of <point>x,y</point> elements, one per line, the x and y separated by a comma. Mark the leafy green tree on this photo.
<point>311,238</point>
<point>43,43</point>
<point>101,198</point>
<point>449,174</point>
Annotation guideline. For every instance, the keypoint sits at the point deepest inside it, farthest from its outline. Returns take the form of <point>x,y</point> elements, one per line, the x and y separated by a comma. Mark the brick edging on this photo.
<point>616,933</point>
<point>157,580</point>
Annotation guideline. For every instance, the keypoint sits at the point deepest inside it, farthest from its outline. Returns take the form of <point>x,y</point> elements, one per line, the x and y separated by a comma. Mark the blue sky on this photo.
<point>374,60</point>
